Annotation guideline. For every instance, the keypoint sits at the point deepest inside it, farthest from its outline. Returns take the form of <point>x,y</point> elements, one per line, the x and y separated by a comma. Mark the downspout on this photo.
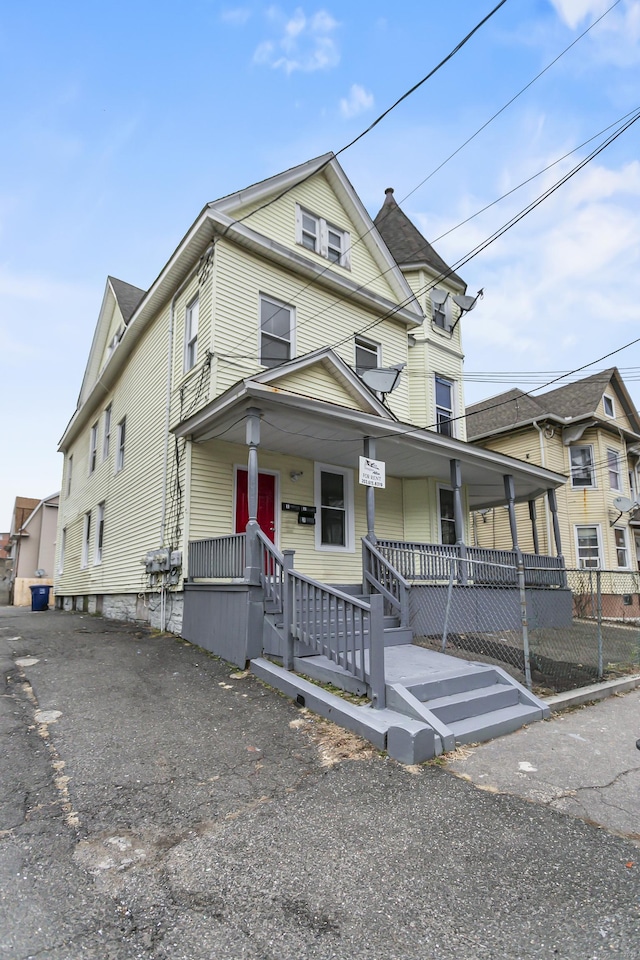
<point>543,463</point>
<point>167,421</point>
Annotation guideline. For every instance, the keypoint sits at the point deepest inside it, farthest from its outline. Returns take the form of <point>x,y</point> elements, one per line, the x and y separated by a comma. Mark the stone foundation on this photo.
<point>133,607</point>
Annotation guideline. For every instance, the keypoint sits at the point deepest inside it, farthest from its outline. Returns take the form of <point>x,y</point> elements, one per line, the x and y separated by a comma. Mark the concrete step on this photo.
<point>494,724</point>
<point>460,680</point>
<point>473,703</point>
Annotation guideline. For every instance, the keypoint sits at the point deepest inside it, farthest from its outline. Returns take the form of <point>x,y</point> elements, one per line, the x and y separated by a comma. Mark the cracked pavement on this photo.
<point>158,803</point>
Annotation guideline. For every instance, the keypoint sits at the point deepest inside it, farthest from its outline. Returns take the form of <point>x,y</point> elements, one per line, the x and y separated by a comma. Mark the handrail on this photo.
<point>217,557</point>
<point>271,568</point>
<point>380,574</point>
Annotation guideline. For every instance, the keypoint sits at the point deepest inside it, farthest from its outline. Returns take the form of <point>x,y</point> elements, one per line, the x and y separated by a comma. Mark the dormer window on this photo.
<point>318,235</point>
<point>441,308</point>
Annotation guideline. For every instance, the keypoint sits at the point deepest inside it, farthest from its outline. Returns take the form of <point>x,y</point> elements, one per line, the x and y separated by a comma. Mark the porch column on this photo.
<point>553,506</point>
<point>534,526</point>
<point>458,516</point>
<point>510,494</point>
<point>252,568</point>
<point>370,493</point>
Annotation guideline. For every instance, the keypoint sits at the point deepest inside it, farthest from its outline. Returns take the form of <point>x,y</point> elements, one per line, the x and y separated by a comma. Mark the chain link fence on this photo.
<point>550,638</point>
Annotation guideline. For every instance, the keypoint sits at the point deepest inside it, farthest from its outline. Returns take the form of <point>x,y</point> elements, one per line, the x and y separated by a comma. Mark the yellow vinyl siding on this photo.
<point>425,362</point>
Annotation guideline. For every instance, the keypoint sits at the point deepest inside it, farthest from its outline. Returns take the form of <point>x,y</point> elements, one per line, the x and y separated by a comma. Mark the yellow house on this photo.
<point>589,430</point>
<point>291,381</point>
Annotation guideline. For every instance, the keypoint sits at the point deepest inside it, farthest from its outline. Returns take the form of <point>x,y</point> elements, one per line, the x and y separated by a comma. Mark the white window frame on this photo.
<point>449,419</point>
<point>613,469</point>
<point>349,508</point>
<point>266,298</point>
<point>63,544</point>
<point>580,560</point>
<point>93,447</point>
<point>99,544</point>
<point>323,245</point>
<point>370,347</point>
<point>441,310</point>
<point>106,439</point>
<point>69,473</point>
<point>86,539</point>
<point>440,487</point>
<point>608,398</point>
<point>583,486</point>
<point>621,549</point>
<point>191,324</point>
<point>122,439</point>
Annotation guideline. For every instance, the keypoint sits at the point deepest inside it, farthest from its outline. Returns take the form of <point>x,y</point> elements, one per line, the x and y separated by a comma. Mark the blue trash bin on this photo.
<point>40,596</point>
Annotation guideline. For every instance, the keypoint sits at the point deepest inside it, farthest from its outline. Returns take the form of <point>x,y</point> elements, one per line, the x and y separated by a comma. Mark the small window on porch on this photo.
<point>334,508</point>
<point>447,516</point>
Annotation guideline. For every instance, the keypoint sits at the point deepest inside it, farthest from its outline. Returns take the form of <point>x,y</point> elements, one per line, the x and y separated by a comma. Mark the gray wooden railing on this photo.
<point>222,557</point>
<point>378,573</point>
<point>271,566</point>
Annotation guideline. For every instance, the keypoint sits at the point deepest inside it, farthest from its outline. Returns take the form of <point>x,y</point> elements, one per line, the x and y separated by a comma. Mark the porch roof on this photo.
<point>312,429</point>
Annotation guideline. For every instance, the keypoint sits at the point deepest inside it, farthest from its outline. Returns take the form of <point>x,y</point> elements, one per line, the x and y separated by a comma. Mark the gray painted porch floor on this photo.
<point>408,664</point>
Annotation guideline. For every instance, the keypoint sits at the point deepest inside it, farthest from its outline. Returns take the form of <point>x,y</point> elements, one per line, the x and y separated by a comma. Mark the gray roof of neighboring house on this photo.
<point>579,399</point>
<point>128,297</point>
<point>406,243</point>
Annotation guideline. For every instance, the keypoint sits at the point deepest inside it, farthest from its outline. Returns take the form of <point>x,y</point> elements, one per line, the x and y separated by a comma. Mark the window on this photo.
<point>582,472</point>
<point>99,534</point>
<point>621,547</point>
<point>441,308</point>
<point>192,314</point>
<point>106,442</point>
<point>63,543</point>
<point>316,234</point>
<point>613,466</point>
<point>334,508</point>
<point>608,406</point>
<point>588,546</point>
<point>93,447</point>
<point>367,355</point>
<point>121,438</point>
<point>86,537</point>
<point>444,406</point>
<point>276,326</point>
<point>69,473</point>
<point>447,516</point>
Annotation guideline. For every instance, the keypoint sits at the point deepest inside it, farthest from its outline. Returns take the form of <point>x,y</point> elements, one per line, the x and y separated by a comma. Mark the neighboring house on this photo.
<point>5,567</point>
<point>33,539</point>
<point>237,394</point>
<point>589,430</point>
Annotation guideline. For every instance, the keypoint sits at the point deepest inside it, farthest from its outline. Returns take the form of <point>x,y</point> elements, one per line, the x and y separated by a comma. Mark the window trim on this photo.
<point>322,241</point>
<point>86,539</point>
<point>439,488</point>
<point>605,397</point>
<point>266,297</point>
<point>122,439</point>
<point>99,544</point>
<point>446,311</point>
<point>63,544</point>
<point>587,526</point>
<point>69,474</point>
<point>614,455</point>
<point>349,508</point>
<point>370,345</point>
<point>451,420</point>
<point>190,339</point>
<point>625,547</point>
<point>106,439</point>
<point>93,448</point>
<point>583,486</point>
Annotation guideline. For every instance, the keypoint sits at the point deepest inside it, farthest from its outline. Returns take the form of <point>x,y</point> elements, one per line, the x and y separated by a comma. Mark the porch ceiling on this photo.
<point>304,427</point>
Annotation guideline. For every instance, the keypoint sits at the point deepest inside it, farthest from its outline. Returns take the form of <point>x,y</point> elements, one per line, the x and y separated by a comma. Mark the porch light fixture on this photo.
<point>295,475</point>
<point>382,379</point>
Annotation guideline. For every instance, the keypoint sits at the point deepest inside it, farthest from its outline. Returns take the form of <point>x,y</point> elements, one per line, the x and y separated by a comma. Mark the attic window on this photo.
<point>441,308</point>
<point>608,405</point>
<point>367,355</point>
<point>318,235</point>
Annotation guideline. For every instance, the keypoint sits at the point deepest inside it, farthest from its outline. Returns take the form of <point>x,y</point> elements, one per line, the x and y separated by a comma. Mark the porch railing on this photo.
<point>218,557</point>
<point>381,575</point>
<point>271,566</point>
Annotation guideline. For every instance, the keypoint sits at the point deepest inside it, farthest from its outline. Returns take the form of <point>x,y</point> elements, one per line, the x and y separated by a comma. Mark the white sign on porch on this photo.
<point>372,472</point>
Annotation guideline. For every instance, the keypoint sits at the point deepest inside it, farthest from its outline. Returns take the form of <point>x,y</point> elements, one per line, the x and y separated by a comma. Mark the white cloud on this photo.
<point>236,16</point>
<point>357,102</point>
<point>616,38</point>
<point>306,43</point>
<point>573,12</point>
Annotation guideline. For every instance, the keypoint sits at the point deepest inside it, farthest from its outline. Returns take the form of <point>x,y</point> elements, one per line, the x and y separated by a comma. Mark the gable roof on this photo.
<point>569,402</point>
<point>127,297</point>
<point>406,243</point>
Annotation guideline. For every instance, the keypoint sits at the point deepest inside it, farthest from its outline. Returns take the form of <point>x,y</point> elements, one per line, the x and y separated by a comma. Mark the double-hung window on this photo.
<point>106,441</point>
<point>608,405</point>
<point>582,467</point>
<point>447,516</point>
<point>444,406</point>
<point>367,355</point>
<point>588,542</point>
<point>334,508</point>
<point>192,314</point>
<point>63,544</point>
<point>441,308</point>
<point>621,547</point>
<point>276,332</point>
<point>122,427</point>
<point>69,473</point>
<point>309,231</point>
<point>99,534</point>
<point>93,447</point>
<point>86,537</point>
<point>613,466</point>
<point>324,238</point>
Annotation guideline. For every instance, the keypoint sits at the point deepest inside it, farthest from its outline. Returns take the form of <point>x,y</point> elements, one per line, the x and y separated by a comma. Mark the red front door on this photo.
<point>266,502</point>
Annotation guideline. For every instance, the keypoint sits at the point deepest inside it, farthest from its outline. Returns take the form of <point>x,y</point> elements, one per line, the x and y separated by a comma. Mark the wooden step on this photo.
<point>494,724</point>
<point>473,703</point>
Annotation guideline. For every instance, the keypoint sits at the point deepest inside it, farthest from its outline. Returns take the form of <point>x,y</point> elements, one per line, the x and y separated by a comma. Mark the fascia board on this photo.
<point>513,427</point>
<point>271,187</point>
<point>434,276</point>
<point>290,259</point>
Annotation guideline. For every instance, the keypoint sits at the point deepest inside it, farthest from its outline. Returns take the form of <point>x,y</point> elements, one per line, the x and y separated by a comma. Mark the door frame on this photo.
<point>276,499</point>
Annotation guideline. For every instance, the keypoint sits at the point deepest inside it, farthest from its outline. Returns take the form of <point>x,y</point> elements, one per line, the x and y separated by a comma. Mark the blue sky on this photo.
<point>121,120</point>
